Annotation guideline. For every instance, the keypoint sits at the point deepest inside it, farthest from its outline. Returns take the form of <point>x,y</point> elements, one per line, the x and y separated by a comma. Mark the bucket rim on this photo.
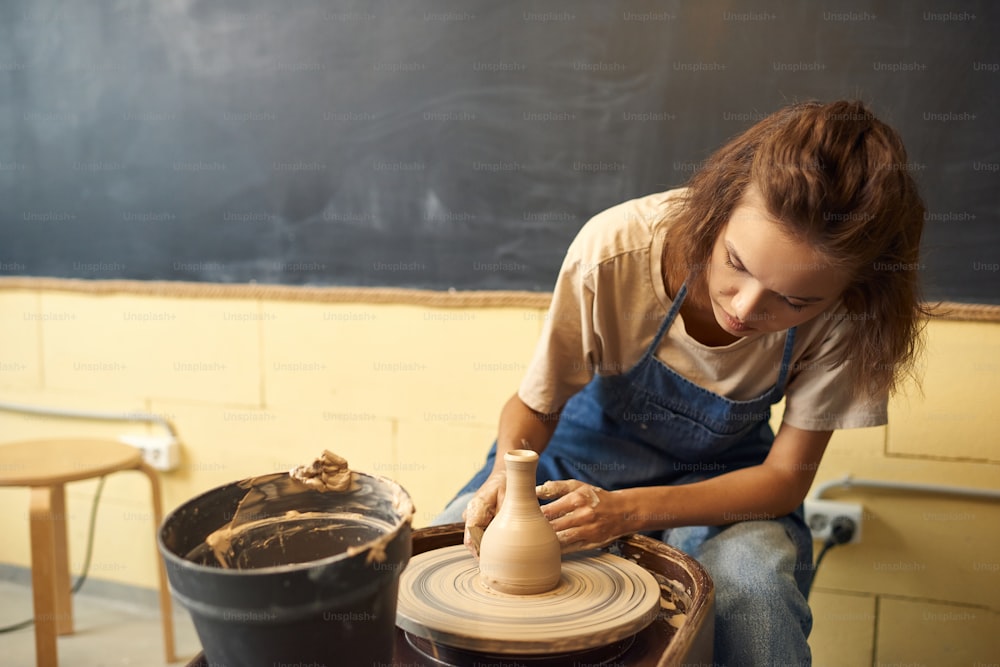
<point>404,520</point>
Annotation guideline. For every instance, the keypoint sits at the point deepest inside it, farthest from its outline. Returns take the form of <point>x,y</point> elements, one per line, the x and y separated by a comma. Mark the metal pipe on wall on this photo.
<point>96,415</point>
<point>849,481</point>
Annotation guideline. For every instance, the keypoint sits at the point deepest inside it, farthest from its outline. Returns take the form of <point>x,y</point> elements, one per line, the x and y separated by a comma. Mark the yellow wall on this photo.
<point>412,392</point>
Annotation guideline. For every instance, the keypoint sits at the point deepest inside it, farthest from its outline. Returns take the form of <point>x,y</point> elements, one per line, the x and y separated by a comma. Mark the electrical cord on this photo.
<point>78,584</point>
<point>841,531</point>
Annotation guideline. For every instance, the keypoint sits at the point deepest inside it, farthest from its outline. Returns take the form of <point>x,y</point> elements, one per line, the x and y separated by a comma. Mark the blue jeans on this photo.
<point>761,613</point>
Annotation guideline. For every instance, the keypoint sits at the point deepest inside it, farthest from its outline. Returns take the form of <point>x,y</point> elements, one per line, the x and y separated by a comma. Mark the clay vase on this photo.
<point>519,553</point>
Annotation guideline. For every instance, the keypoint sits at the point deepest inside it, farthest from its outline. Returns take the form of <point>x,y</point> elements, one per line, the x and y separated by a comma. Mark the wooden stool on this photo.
<point>46,466</point>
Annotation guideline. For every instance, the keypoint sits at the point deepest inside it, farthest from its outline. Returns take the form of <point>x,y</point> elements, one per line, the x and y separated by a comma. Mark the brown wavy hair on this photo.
<point>836,177</point>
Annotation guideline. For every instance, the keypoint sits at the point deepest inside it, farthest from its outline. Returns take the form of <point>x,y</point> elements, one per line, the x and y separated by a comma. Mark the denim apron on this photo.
<point>650,426</point>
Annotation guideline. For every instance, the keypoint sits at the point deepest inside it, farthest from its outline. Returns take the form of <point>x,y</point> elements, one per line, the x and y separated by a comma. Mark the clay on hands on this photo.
<point>482,508</point>
<point>587,496</point>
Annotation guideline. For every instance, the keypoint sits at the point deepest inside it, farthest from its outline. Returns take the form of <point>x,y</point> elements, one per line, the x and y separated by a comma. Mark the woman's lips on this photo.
<point>734,324</point>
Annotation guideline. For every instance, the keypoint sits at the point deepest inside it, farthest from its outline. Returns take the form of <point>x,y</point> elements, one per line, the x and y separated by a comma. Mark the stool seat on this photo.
<point>45,466</point>
<point>47,462</point>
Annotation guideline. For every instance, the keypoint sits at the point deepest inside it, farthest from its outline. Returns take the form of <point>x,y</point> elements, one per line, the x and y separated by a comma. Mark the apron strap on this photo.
<point>667,321</point>
<point>786,361</point>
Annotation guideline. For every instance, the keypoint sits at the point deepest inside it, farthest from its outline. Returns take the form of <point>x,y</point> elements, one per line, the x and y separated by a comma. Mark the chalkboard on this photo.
<point>438,144</point>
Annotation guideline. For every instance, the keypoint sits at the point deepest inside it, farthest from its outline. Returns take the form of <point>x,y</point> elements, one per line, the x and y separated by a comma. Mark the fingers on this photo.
<point>558,488</point>
<point>555,488</point>
<point>575,514</point>
<point>576,539</point>
<point>481,510</point>
<point>473,538</point>
<point>478,514</point>
<point>571,496</point>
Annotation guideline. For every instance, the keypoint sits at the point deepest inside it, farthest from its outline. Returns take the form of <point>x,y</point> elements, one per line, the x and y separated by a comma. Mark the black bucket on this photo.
<point>311,581</point>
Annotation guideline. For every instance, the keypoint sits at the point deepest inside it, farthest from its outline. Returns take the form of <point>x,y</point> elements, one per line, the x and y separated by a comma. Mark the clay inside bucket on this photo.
<point>294,539</point>
<point>280,521</point>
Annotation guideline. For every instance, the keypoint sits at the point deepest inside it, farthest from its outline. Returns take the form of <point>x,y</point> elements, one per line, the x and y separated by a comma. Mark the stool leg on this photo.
<point>43,576</point>
<point>64,592</point>
<point>166,608</point>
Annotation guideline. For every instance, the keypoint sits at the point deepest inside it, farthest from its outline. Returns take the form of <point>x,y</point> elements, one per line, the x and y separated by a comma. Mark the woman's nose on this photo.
<point>747,301</point>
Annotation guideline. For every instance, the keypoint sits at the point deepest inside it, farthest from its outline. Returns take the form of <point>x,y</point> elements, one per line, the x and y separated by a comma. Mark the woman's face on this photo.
<point>760,280</point>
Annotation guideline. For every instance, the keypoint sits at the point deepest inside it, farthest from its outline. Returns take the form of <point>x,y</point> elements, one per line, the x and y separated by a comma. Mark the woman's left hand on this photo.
<point>583,516</point>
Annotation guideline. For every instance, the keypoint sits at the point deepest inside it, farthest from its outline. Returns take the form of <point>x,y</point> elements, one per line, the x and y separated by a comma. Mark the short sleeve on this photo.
<point>821,395</point>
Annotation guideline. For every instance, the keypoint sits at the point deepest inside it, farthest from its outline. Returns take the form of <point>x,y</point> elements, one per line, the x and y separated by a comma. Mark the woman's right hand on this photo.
<point>482,508</point>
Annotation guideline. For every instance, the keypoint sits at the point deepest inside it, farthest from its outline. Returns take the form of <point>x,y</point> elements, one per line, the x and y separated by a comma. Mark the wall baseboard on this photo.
<point>103,588</point>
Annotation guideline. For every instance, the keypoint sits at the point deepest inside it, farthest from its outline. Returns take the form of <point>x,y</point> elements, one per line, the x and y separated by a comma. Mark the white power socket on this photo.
<point>162,452</point>
<point>820,515</point>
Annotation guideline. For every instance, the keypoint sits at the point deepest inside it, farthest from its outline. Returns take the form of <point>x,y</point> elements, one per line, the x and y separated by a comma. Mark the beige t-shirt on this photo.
<point>609,301</point>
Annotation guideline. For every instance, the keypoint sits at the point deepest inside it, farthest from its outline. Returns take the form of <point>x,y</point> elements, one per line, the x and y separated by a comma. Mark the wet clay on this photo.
<point>280,520</point>
<point>327,473</point>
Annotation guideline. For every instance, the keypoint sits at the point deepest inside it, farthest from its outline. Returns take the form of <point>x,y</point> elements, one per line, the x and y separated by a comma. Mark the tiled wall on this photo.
<point>413,392</point>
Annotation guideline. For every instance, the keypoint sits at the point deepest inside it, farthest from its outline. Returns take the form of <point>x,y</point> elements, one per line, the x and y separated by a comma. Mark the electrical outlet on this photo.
<point>820,515</point>
<point>162,452</point>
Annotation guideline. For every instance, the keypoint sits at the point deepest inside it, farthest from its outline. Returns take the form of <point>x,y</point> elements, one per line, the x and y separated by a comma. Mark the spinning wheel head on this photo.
<point>600,599</point>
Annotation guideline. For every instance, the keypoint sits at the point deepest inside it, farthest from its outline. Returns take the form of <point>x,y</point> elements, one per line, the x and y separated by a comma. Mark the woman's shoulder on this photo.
<point>624,227</point>
<point>828,330</point>
<point>640,214</point>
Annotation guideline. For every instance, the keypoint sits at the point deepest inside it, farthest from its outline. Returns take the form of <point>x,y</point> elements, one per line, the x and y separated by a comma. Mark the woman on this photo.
<point>783,270</point>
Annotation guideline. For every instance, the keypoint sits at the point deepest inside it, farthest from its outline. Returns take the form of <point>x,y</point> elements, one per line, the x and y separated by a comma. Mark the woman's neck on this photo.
<point>701,326</point>
<point>696,311</point>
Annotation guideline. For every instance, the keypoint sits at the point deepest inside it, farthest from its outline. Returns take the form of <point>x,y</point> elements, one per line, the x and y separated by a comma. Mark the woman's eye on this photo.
<point>794,306</point>
<point>731,264</point>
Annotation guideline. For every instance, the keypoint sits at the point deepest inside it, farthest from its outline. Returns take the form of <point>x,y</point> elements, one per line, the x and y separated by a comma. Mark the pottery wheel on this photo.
<point>600,599</point>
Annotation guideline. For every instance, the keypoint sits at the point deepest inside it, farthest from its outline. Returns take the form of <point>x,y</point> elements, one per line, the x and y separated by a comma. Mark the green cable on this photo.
<point>86,560</point>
